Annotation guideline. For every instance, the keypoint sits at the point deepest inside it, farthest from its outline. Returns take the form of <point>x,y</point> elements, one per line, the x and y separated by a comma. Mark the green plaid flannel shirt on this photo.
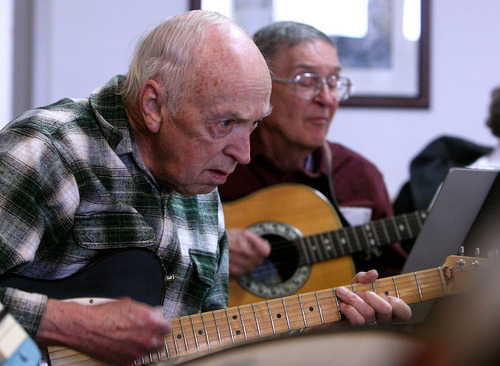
<point>73,187</point>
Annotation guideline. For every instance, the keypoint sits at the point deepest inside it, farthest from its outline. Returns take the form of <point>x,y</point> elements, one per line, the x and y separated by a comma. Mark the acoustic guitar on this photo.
<point>198,334</point>
<point>309,249</point>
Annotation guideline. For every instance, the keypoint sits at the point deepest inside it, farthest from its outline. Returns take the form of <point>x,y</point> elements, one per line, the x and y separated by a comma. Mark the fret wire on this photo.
<point>315,248</point>
<point>342,241</point>
<point>396,228</point>
<point>331,243</point>
<point>321,248</point>
<point>391,229</point>
<point>286,314</point>
<point>373,287</point>
<point>422,216</point>
<point>384,228</point>
<point>405,218</point>
<point>418,286</point>
<point>349,230</point>
<point>217,328</point>
<point>325,255</point>
<point>337,303</point>
<point>271,317</point>
<point>353,288</point>
<point>357,230</point>
<point>374,230</point>
<point>229,325</point>
<point>256,321</point>
<point>417,218</point>
<point>184,337</point>
<point>158,354</point>
<point>311,249</point>
<point>175,343</point>
<point>305,250</point>
<point>395,286</point>
<point>414,223</point>
<point>302,310</point>
<point>242,323</point>
<point>206,331</point>
<point>319,308</point>
<point>167,352</point>
<point>194,333</point>
<point>368,236</point>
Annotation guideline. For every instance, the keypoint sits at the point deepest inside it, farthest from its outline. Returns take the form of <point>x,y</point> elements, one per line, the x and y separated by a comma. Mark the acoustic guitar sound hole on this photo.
<point>281,264</point>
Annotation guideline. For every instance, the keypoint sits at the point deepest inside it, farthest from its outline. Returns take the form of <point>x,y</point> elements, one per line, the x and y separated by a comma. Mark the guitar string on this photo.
<point>253,314</point>
<point>262,313</point>
<point>426,278</point>
<point>282,248</point>
<point>412,224</point>
<point>276,304</point>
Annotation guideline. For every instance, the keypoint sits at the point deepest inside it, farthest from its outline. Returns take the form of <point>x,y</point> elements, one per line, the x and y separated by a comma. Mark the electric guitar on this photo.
<point>199,334</point>
<point>309,249</point>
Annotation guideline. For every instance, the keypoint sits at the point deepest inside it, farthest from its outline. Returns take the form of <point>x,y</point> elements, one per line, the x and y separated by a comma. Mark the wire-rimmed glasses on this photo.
<point>308,86</point>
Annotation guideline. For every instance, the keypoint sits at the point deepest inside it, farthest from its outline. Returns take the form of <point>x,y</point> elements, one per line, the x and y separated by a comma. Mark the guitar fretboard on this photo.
<point>349,240</point>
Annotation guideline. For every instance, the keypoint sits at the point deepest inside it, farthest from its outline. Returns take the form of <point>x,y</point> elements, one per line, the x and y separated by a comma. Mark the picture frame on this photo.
<point>387,70</point>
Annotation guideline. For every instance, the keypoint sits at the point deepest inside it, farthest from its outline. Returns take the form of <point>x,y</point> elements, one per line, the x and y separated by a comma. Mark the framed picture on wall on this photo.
<point>383,45</point>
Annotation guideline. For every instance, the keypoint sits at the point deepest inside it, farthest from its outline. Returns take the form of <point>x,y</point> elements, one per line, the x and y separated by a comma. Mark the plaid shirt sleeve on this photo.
<point>72,188</point>
<point>38,197</point>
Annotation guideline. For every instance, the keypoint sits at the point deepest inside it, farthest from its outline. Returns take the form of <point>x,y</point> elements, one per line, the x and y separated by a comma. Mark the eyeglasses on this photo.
<point>308,86</point>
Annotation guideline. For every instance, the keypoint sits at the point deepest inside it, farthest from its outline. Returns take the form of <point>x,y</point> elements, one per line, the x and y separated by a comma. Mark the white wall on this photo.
<point>465,67</point>
<point>6,38</point>
<point>80,44</point>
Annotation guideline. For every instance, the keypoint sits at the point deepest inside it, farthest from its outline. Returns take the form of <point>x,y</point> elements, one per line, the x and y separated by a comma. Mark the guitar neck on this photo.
<point>220,328</point>
<point>338,243</point>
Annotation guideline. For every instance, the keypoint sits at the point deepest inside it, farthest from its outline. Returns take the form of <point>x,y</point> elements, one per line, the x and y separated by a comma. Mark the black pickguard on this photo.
<point>137,273</point>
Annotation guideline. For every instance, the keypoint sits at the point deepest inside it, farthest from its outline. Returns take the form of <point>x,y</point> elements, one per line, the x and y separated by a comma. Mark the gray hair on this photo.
<point>278,35</point>
<point>167,54</point>
<point>493,121</point>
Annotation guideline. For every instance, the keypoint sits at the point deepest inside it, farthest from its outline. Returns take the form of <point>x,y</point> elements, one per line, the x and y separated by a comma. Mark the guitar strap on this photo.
<point>367,253</point>
<point>328,154</point>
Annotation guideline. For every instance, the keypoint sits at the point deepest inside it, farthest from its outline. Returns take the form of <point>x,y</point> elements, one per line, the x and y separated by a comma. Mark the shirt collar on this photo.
<point>257,153</point>
<point>107,104</point>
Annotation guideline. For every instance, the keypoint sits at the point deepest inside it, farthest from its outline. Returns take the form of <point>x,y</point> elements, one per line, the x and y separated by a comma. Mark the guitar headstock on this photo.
<point>461,274</point>
<point>462,262</point>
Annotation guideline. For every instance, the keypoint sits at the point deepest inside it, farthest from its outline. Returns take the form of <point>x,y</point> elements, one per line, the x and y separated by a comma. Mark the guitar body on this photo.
<point>280,210</point>
<point>136,273</point>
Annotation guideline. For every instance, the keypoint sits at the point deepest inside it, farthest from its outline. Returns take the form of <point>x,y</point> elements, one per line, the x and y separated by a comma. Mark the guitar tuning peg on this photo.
<point>461,251</point>
<point>476,252</point>
<point>493,253</point>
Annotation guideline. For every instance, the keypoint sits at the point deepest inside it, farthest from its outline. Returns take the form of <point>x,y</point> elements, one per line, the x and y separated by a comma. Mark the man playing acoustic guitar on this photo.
<point>290,146</point>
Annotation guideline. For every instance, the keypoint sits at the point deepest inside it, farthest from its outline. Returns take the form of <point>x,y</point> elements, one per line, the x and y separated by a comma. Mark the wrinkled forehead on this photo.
<point>308,54</point>
<point>228,59</point>
<point>228,48</point>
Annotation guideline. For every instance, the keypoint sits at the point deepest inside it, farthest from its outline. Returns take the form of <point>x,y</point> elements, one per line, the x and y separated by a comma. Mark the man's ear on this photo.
<point>150,100</point>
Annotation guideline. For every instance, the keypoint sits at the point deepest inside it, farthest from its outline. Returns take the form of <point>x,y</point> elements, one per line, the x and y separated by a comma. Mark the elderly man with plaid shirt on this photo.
<point>134,165</point>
